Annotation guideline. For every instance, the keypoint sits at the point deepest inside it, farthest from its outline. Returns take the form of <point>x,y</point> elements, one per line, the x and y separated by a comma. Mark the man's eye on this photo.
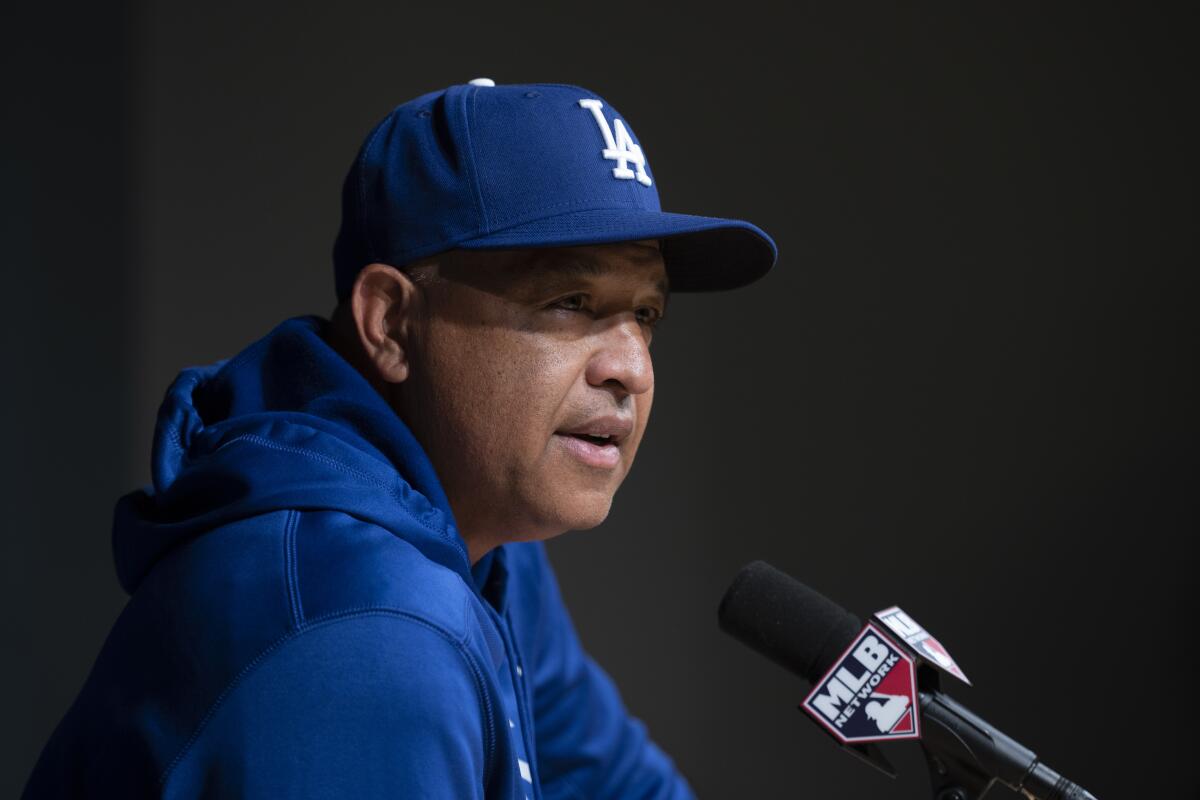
<point>572,303</point>
<point>649,315</point>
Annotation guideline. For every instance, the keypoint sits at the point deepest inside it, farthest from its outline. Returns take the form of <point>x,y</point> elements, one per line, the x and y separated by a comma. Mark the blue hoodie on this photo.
<point>304,621</point>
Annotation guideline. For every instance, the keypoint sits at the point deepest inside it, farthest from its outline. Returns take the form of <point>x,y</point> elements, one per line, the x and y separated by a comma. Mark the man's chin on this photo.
<point>579,512</point>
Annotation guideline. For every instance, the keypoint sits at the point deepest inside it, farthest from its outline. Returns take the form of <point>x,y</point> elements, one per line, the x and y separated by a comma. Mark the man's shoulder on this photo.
<point>224,600</point>
<point>343,564</point>
<point>277,619</point>
<point>286,569</point>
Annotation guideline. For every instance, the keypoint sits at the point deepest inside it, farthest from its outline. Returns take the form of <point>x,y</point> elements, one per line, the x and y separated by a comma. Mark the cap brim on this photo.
<point>701,254</point>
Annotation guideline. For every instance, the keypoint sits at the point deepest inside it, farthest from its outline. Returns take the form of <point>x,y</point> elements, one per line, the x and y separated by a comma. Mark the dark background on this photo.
<point>967,386</point>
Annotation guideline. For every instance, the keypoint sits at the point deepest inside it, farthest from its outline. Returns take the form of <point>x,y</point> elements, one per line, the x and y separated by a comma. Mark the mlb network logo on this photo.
<point>870,693</point>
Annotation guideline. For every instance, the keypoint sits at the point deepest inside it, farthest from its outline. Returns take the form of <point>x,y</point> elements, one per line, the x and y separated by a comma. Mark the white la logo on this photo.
<point>621,149</point>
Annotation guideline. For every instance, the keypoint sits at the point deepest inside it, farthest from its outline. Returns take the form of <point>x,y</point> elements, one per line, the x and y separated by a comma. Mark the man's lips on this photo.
<point>592,453</point>
<point>613,428</point>
<point>597,442</point>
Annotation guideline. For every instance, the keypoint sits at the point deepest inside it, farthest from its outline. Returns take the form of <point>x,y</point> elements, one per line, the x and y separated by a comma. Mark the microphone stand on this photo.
<point>966,755</point>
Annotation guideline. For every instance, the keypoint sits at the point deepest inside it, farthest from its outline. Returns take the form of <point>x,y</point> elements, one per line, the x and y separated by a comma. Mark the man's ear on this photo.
<point>383,303</point>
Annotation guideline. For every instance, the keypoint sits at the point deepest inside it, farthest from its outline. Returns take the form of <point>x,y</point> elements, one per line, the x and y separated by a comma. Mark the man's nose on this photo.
<point>621,359</point>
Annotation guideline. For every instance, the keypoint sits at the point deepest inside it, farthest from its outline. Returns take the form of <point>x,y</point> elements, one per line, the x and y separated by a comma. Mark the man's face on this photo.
<point>517,356</point>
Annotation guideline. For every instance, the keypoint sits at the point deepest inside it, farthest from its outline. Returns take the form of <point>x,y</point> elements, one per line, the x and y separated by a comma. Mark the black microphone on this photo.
<point>805,632</point>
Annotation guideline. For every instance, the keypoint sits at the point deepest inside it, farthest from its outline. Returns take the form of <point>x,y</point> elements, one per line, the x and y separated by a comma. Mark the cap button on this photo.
<point>482,82</point>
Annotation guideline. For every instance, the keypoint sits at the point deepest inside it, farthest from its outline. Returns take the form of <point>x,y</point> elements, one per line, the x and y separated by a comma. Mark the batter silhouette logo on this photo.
<point>869,694</point>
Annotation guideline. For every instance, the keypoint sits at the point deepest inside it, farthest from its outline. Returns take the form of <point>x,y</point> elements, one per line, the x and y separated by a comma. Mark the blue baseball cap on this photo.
<point>479,166</point>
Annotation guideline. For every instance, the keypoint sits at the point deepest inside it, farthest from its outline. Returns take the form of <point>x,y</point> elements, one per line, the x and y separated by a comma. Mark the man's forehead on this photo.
<point>492,268</point>
<point>638,253</point>
<point>636,250</point>
<point>596,260</point>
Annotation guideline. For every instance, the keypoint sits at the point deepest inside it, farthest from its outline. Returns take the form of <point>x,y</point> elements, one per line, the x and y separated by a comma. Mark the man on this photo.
<point>337,580</point>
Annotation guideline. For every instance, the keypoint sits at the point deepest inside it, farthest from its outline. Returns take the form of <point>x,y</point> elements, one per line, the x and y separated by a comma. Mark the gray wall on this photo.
<point>69,386</point>
<point>967,387</point>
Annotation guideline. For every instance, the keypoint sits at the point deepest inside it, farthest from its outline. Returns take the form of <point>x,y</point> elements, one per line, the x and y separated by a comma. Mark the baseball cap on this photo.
<point>482,166</point>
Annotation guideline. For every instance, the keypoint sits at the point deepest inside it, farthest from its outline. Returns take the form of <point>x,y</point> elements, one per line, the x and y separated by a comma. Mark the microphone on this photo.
<point>807,633</point>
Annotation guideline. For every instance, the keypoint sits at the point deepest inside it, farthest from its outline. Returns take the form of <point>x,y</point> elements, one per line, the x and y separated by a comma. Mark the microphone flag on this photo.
<point>921,641</point>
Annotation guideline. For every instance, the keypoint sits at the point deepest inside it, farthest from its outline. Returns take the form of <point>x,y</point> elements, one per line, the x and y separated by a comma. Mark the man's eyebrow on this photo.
<point>582,264</point>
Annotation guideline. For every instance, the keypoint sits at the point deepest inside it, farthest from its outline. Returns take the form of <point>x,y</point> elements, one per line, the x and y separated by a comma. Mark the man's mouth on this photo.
<point>597,442</point>
<point>601,452</point>
<point>594,438</point>
<point>606,430</point>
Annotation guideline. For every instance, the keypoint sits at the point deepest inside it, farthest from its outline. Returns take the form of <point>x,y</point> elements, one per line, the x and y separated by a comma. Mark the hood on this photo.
<point>286,423</point>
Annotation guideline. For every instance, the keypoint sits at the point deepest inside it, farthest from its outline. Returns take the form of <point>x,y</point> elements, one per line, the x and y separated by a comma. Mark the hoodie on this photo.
<point>304,621</point>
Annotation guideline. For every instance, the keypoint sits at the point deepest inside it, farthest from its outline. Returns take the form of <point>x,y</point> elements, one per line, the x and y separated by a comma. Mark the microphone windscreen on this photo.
<point>794,626</point>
